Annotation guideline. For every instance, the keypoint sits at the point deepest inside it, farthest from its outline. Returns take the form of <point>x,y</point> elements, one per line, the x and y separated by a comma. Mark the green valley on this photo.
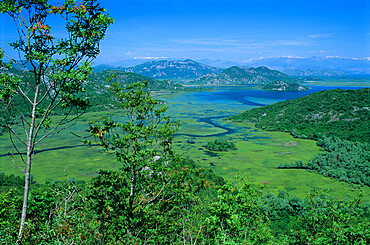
<point>257,156</point>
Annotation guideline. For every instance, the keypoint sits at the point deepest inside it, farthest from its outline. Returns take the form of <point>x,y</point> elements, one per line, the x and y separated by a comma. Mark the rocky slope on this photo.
<point>237,75</point>
<point>186,69</point>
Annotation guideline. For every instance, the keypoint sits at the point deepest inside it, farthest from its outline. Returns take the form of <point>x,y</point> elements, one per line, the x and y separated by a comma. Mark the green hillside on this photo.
<point>96,87</point>
<point>98,79</point>
<point>101,98</point>
<point>341,113</point>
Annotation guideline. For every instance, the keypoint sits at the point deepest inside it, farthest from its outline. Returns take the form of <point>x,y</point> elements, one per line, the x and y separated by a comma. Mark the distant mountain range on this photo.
<point>221,63</point>
<point>347,65</point>
<point>237,75</point>
<point>189,69</point>
<point>165,69</point>
<point>294,72</point>
<point>200,75</point>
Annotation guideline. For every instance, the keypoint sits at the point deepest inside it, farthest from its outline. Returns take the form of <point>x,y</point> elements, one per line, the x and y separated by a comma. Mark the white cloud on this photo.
<point>322,35</point>
<point>319,52</point>
<point>149,58</point>
<point>243,43</point>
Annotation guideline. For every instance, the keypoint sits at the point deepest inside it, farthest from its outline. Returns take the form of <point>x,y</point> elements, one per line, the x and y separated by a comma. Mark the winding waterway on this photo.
<point>226,101</point>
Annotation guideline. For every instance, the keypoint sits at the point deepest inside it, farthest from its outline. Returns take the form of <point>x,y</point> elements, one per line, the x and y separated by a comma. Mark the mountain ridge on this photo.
<point>166,69</point>
<point>238,75</point>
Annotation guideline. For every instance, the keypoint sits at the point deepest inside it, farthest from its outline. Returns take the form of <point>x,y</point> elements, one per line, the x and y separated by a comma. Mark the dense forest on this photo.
<point>343,160</point>
<point>197,207</point>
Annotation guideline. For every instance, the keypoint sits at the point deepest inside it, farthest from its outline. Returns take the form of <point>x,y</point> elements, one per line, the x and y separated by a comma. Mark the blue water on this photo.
<point>241,94</point>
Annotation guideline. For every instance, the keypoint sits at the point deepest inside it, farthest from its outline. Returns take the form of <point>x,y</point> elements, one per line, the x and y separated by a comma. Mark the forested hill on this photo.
<point>98,79</point>
<point>237,75</point>
<point>341,113</point>
<point>101,98</point>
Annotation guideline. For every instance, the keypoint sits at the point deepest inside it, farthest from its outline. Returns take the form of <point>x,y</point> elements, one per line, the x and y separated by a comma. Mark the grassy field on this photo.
<point>256,158</point>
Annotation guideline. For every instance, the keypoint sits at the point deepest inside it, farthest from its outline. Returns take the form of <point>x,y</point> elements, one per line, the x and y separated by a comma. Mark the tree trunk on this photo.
<point>30,148</point>
<point>25,196</point>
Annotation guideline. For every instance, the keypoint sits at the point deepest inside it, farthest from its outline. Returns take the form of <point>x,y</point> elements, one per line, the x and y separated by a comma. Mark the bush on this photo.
<point>220,146</point>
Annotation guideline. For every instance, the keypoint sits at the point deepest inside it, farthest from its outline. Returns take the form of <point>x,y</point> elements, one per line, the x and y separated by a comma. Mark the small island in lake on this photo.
<point>284,86</point>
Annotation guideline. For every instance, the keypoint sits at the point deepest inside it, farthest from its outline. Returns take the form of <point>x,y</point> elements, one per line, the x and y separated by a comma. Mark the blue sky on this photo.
<point>235,30</point>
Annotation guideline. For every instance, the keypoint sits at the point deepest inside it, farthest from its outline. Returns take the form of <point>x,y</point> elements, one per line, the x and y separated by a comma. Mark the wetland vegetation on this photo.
<point>202,114</point>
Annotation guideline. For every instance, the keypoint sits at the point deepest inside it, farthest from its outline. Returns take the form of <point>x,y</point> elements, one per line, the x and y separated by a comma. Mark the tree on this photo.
<point>49,78</point>
<point>141,141</point>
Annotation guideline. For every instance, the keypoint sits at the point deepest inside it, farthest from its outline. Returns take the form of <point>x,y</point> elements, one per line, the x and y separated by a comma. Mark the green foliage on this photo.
<point>103,99</point>
<point>54,78</point>
<point>317,219</point>
<point>282,210</point>
<point>11,180</point>
<point>235,217</point>
<point>218,145</point>
<point>191,211</point>
<point>341,113</point>
<point>343,160</point>
<point>329,221</point>
<point>56,68</point>
<point>142,143</point>
<point>58,214</point>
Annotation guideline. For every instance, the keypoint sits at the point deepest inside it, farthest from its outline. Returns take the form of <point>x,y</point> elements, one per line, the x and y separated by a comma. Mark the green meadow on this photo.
<point>257,155</point>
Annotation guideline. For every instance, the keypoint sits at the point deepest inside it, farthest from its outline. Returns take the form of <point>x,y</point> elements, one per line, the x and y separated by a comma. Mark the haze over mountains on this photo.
<point>347,65</point>
<point>350,66</point>
<point>195,73</point>
<point>288,72</point>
